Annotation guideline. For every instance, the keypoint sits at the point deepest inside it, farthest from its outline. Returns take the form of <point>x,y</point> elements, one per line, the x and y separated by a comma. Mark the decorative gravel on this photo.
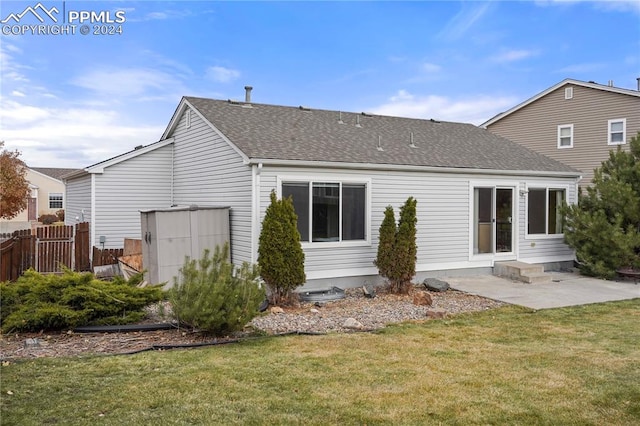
<point>372,313</point>
<point>330,317</point>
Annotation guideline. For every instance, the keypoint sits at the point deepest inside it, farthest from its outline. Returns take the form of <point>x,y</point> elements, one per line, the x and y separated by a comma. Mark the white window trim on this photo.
<point>564,126</point>
<point>61,194</point>
<point>545,236</point>
<point>340,180</point>
<point>624,131</point>
<point>568,92</point>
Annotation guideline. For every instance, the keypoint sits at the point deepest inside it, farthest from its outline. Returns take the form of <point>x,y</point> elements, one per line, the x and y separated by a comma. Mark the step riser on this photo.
<point>520,271</point>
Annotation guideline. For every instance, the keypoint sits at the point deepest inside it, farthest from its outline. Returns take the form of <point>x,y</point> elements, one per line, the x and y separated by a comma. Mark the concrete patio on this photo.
<point>565,289</point>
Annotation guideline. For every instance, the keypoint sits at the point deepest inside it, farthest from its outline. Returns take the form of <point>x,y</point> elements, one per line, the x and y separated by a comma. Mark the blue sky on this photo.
<point>72,100</point>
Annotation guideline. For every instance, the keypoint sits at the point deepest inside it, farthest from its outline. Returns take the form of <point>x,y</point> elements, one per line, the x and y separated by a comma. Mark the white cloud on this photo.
<point>605,5</point>
<point>222,74</point>
<point>129,82</point>
<point>17,94</point>
<point>69,137</point>
<point>513,55</point>
<point>473,109</point>
<point>458,26</point>
<point>431,68</point>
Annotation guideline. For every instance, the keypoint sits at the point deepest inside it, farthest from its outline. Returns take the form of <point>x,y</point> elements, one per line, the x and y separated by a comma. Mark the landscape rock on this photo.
<point>314,311</point>
<point>369,290</point>
<point>353,324</point>
<point>436,313</point>
<point>422,299</point>
<point>276,310</point>
<point>433,284</point>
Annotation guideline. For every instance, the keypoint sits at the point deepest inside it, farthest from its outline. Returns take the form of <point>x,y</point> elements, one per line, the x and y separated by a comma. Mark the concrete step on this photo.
<point>521,271</point>
<point>535,278</point>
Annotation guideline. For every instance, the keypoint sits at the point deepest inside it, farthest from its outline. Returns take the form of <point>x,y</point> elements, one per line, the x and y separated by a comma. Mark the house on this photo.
<point>574,122</point>
<point>47,197</point>
<point>480,198</point>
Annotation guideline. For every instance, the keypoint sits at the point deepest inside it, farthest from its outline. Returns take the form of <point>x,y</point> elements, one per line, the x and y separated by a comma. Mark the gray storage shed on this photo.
<point>170,235</point>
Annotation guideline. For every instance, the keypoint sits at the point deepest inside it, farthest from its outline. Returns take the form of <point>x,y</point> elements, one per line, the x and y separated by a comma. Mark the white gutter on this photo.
<point>401,167</point>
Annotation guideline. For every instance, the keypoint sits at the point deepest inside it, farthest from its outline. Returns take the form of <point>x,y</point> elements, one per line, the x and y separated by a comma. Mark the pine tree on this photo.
<point>280,254</point>
<point>604,227</point>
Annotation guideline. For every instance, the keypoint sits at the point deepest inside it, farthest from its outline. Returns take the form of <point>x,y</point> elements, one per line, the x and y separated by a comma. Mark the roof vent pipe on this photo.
<point>247,94</point>
<point>610,83</point>
<point>411,144</point>
<point>358,121</point>
<point>638,80</point>
<point>342,122</point>
<point>380,143</point>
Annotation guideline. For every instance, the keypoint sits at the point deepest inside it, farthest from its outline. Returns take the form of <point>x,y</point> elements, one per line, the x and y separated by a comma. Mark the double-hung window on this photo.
<point>543,211</point>
<point>329,211</point>
<point>565,136</point>
<point>55,200</point>
<point>617,131</point>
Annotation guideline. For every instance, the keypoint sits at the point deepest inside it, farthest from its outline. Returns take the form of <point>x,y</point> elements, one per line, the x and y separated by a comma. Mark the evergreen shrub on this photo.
<point>37,302</point>
<point>212,295</point>
<point>280,254</point>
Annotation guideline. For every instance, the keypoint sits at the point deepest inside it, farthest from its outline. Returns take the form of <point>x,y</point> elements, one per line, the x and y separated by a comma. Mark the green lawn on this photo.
<point>573,366</point>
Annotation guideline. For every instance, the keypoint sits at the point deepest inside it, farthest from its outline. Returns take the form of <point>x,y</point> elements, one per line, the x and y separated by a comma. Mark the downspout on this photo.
<point>92,237</point>
<point>255,210</point>
<point>173,150</point>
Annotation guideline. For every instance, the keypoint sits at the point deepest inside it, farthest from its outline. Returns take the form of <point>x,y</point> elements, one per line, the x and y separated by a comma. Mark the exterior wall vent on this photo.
<point>568,93</point>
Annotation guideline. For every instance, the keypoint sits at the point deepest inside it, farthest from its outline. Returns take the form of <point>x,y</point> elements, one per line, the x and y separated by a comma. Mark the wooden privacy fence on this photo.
<point>44,251</point>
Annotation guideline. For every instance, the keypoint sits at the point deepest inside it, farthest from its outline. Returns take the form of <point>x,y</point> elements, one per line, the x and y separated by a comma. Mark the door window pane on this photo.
<point>556,198</point>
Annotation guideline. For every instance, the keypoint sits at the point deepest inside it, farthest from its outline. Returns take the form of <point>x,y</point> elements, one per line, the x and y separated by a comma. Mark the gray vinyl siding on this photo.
<point>444,212</point>
<point>78,200</point>
<point>125,188</point>
<point>209,172</point>
<point>535,126</point>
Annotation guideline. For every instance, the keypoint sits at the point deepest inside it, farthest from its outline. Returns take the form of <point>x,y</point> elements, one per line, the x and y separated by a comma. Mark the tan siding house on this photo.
<point>574,122</point>
<point>47,197</point>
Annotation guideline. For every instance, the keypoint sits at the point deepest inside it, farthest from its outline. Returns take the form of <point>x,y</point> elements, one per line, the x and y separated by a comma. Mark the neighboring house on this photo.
<point>574,122</point>
<point>47,197</point>
<point>481,198</point>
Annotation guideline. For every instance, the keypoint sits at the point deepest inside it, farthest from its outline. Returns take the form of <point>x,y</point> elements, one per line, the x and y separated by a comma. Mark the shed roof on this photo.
<point>271,132</point>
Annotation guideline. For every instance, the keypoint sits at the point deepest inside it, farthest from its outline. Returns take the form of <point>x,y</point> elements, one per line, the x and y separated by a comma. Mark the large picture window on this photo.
<point>329,211</point>
<point>544,216</point>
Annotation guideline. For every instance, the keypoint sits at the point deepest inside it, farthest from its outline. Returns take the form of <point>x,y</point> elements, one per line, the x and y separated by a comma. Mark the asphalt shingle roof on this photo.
<point>55,173</point>
<point>263,131</point>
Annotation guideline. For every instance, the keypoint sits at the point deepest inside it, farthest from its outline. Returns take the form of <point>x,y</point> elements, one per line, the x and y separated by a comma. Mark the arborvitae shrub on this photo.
<point>397,249</point>
<point>604,226</point>
<point>280,254</point>
<point>213,296</point>
<point>37,302</point>
<point>385,260</point>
